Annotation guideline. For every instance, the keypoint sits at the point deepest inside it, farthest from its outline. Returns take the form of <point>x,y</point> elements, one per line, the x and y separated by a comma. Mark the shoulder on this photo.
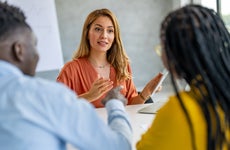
<point>174,106</point>
<point>80,62</point>
<point>47,97</point>
<point>74,65</point>
<point>173,113</point>
<point>45,88</point>
<point>171,124</point>
<point>129,69</point>
<point>189,102</point>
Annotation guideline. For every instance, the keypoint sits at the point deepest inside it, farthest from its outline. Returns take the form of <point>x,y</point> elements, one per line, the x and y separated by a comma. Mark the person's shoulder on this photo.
<point>170,106</point>
<point>70,63</point>
<point>46,87</point>
<point>75,62</point>
<point>174,105</point>
<point>173,101</point>
<point>129,67</point>
<point>50,93</point>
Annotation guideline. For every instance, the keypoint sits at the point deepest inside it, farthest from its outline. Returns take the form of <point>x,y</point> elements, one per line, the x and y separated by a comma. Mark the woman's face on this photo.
<point>101,34</point>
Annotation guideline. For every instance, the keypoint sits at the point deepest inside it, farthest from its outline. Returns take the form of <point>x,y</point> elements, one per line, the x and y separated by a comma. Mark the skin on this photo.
<point>101,35</point>
<point>19,49</point>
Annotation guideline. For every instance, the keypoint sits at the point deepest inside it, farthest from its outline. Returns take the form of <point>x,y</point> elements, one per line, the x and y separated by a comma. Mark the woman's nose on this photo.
<point>104,34</point>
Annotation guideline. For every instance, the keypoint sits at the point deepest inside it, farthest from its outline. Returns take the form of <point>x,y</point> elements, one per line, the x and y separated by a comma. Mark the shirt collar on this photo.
<point>7,68</point>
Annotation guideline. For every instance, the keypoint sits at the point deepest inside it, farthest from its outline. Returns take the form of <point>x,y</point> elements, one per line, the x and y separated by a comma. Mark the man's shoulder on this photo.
<point>47,87</point>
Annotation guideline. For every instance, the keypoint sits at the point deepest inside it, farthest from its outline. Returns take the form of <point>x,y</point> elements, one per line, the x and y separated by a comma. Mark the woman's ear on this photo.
<point>18,51</point>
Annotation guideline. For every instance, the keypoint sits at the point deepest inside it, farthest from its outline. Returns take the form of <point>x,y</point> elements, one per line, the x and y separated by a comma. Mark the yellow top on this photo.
<point>170,129</point>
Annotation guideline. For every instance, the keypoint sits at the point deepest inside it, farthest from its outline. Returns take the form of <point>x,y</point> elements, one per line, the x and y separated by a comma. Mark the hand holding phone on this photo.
<point>153,85</point>
<point>163,77</point>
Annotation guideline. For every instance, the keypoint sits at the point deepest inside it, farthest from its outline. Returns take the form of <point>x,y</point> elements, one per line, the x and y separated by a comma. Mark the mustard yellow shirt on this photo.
<point>170,129</point>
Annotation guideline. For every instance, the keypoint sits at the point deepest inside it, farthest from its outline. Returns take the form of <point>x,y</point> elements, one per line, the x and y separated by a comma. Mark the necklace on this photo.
<point>98,66</point>
<point>101,67</point>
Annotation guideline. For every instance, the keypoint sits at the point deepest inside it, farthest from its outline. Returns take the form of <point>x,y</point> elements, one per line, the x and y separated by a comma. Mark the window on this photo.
<point>210,4</point>
<point>225,12</point>
<point>221,7</point>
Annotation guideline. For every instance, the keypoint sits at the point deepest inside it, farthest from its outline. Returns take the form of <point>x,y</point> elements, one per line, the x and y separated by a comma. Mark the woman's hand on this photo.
<point>99,88</point>
<point>151,85</point>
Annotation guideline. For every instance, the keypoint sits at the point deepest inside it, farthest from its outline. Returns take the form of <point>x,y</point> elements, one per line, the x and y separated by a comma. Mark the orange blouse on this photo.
<point>79,75</point>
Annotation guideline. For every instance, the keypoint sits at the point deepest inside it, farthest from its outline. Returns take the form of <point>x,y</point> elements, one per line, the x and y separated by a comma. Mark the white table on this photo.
<point>140,122</point>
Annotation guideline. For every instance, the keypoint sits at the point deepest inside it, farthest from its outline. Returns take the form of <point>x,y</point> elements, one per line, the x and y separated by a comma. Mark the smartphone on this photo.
<point>165,73</point>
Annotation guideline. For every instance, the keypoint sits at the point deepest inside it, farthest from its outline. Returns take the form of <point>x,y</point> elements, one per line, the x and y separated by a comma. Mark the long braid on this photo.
<point>170,55</point>
<point>199,35</point>
<point>208,62</point>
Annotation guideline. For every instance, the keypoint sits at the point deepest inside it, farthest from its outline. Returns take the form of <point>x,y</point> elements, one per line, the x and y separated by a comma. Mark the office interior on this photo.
<point>140,28</point>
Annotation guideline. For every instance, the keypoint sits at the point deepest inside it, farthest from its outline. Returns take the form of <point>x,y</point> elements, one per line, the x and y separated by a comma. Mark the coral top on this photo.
<point>79,75</point>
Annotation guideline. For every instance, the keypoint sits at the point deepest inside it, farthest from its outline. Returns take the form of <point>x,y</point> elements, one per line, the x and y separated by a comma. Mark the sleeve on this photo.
<point>130,87</point>
<point>66,75</point>
<point>168,131</point>
<point>77,122</point>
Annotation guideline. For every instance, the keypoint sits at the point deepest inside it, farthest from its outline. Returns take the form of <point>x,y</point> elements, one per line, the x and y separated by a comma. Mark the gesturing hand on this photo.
<point>99,88</point>
<point>115,94</point>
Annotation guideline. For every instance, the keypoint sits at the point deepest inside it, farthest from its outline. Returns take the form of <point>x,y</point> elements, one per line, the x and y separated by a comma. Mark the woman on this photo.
<point>195,47</point>
<point>101,63</point>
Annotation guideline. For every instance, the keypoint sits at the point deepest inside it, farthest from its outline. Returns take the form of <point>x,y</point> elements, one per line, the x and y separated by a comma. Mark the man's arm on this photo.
<point>75,121</point>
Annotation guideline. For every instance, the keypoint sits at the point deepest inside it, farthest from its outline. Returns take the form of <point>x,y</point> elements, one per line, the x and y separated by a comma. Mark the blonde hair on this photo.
<point>116,55</point>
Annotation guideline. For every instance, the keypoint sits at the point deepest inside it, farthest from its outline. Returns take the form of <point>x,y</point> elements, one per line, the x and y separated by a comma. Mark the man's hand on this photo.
<point>115,94</point>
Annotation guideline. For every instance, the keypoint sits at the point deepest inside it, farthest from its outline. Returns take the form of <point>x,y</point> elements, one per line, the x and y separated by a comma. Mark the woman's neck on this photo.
<point>98,61</point>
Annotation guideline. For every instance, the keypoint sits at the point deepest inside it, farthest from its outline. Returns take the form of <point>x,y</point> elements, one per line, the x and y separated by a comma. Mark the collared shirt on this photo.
<point>36,114</point>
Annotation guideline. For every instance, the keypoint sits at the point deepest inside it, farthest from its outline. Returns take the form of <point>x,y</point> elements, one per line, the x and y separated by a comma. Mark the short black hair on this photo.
<point>11,18</point>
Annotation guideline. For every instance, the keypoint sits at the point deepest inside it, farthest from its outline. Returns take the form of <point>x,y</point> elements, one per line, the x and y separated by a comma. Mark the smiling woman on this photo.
<point>101,63</point>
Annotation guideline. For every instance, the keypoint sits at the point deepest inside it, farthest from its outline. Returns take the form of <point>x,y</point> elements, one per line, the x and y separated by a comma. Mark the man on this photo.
<point>36,114</point>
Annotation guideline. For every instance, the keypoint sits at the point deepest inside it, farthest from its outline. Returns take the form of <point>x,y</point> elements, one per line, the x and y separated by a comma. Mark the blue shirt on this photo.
<point>36,114</point>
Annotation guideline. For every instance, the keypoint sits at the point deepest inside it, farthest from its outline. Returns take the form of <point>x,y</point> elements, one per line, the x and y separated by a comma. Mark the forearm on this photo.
<point>138,99</point>
<point>118,120</point>
<point>87,96</point>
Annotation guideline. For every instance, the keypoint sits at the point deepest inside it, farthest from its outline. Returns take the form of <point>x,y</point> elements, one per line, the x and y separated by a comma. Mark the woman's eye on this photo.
<point>110,31</point>
<point>98,29</point>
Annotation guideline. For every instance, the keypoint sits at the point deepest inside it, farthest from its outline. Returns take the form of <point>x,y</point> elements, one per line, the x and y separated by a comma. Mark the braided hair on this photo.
<point>197,47</point>
<point>11,18</point>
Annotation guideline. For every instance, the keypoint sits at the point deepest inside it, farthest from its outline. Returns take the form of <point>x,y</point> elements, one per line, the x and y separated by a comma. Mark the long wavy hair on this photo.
<point>197,47</point>
<point>116,55</point>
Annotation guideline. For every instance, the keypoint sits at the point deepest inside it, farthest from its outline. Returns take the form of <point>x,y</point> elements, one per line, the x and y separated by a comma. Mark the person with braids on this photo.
<point>36,114</point>
<point>101,63</point>
<point>195,47</point>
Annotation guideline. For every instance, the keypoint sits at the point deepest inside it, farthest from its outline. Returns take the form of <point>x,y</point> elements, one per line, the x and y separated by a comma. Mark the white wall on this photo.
<point>139,23</point>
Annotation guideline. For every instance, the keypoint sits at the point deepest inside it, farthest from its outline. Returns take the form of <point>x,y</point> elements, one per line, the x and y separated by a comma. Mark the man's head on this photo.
<point>17,41</point>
